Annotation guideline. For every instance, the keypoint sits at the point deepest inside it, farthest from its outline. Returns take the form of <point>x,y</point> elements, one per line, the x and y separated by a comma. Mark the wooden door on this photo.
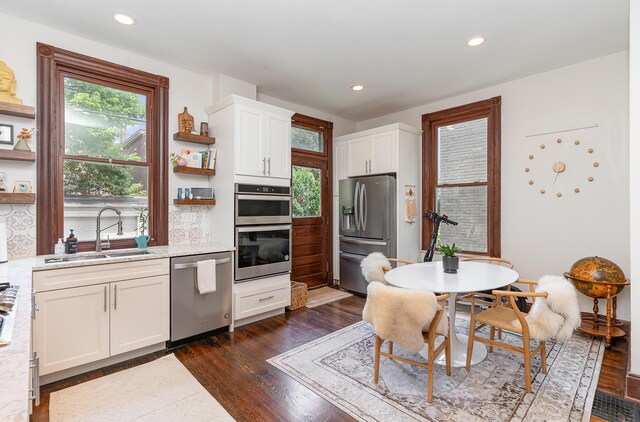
<point>71,327</point>
<point>311,150</point>
<point>139,313</point>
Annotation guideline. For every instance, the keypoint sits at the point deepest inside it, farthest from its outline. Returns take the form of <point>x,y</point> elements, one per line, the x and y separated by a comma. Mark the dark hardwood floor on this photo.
<point>233,367</point>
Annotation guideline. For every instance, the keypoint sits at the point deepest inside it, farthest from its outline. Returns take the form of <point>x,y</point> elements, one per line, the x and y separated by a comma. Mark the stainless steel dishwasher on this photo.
<point>193,313</point>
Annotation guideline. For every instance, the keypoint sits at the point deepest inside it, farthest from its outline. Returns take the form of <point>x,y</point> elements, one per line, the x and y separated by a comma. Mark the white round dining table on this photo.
<point>471,277</point>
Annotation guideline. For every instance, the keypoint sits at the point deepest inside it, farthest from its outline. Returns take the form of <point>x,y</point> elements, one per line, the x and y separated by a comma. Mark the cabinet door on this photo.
<point>383,153</point>
<point>339,164</point>
<point>71,327</point>
<point>139,313</point>
<point>278,141</point>
<point>358,156</point>
<point>250,153</point>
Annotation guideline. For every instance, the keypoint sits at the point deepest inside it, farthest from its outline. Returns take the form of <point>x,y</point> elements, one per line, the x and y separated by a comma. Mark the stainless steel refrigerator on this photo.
<point>367,224</point>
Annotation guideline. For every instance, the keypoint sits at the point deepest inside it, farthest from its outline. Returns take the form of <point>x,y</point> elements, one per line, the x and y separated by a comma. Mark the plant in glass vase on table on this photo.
<point>450,261</point>
<point>143,219</point>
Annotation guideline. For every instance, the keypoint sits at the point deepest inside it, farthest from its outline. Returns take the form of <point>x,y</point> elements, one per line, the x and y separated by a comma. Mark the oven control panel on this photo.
<point>259,189</point>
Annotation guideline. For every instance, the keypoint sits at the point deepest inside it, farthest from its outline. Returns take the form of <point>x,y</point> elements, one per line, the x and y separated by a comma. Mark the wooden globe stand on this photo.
<point>603,325</point>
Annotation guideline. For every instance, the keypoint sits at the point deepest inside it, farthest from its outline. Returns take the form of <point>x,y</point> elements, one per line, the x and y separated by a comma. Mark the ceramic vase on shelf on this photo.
<point>450,264</point>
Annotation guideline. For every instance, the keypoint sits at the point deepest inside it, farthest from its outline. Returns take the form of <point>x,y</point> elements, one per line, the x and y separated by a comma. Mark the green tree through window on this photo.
<point>306,192</point>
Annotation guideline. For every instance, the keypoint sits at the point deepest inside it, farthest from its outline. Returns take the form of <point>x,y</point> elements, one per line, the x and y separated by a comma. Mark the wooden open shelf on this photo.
<point>13,155</point>
<point>17,198</point>
<point>194,202</point>
<point>198,139</point>
<point>17,110</point>
<point>191,170</point>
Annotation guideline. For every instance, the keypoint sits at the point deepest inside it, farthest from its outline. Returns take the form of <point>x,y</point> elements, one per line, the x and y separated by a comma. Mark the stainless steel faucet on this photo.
<point>99,243</point>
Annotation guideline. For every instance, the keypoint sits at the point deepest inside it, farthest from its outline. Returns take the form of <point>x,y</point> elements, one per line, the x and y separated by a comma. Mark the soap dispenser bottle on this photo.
<point>58,249</point>
<point>72,243</point>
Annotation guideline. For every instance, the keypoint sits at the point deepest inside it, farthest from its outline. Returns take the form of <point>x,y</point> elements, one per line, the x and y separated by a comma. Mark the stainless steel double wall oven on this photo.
<point>263,231</point>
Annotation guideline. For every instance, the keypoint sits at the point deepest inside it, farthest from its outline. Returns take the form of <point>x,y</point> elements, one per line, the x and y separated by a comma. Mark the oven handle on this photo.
<point>195,264</point>
<point>262,228</point>
<point>283,198</point>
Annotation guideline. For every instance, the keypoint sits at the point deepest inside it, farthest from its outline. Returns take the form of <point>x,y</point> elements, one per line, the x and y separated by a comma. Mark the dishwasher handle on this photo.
<point>195,264</point>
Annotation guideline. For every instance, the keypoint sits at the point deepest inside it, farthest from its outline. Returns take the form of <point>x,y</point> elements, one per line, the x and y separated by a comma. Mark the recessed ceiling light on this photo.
<point>357,87</point>
<point>476,41</point>
<point>124,19</point>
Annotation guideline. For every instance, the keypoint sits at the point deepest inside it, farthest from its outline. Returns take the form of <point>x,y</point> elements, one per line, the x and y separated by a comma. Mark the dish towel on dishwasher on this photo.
<point>206,275</point>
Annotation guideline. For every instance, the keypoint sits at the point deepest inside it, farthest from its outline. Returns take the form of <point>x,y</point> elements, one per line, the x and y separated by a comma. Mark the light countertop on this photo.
<point>14,358</point>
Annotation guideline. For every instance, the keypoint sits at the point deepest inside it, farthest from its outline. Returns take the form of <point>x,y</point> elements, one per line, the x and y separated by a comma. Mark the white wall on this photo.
<point>544,234</point>
<point>340,126</point>
<point>634,159</point>
<point>224,85</point>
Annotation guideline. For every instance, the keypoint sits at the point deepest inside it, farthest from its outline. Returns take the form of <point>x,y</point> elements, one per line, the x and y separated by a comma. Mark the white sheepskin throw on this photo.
<point>372,267</point>
<point>402,315</point>
<point>558,315</point>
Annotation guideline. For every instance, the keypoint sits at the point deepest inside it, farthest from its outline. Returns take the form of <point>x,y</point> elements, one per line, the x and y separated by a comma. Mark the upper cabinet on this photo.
<point>256,134</point>
<point>372,154</point>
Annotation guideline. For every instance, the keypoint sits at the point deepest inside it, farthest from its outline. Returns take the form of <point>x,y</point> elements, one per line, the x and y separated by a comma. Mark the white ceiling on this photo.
<point>406,52</point>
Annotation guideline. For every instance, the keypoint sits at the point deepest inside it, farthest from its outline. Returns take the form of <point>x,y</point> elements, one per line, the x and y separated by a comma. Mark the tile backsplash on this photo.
<point>21,229</point>
<point>187,225</point>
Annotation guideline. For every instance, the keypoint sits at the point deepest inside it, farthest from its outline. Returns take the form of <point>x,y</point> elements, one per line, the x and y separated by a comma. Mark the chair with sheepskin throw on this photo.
<point>376,264</point>
<point>554,314</point>
<point>410,319</point>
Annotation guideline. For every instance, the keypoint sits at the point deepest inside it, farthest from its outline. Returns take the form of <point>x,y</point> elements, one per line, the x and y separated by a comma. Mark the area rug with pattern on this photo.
<point>339,368</point>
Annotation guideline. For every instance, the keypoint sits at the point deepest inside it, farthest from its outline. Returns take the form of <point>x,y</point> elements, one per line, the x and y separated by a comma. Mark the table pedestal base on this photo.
<point>459,352</point>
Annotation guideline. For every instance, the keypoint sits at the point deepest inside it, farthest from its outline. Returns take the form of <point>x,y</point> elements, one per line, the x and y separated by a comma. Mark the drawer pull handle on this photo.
<point>265,298</point>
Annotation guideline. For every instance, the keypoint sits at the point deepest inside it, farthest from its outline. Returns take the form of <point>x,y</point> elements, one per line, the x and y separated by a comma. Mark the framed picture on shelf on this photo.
<point>21,186</point>
<point>6,134</point>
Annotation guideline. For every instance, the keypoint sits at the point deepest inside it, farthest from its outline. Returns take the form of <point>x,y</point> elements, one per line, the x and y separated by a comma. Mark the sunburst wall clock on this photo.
<point>561,167</point>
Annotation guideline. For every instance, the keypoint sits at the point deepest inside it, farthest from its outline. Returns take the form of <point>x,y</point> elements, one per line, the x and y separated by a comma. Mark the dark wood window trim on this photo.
<point>430,122</point>
<point>54,63</point>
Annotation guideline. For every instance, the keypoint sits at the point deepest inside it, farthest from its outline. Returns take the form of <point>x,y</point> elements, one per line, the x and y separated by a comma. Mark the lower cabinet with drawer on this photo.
<point>79,325</point>
<point>258,299</point>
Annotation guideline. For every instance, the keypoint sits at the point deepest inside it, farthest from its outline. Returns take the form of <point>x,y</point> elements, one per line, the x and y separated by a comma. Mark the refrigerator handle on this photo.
<point>356,215</point>
<point>361,207</point>
<point>364,207</point>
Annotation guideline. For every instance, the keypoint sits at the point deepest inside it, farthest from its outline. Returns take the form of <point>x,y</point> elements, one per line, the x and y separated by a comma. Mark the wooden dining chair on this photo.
<point>482,298</point>
<point>499,316</point>
<point>400,261</point>
<point>433,353</point>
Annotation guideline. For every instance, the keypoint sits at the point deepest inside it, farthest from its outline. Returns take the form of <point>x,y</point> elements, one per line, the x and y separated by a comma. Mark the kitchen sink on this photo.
<point>91,257</point>
<point>126,253</point>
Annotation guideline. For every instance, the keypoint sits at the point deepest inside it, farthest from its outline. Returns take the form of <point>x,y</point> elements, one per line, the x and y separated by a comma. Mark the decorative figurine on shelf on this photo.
<point>143,219</point>
<point>177,160</point>
<point>204,129</point>
<point>23,137</point>
<point>8,85</point>
<point>185,122</point>
<point>3,181</point>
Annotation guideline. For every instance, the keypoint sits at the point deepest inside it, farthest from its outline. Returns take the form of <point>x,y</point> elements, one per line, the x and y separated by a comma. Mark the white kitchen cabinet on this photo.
<point>89,313</point>
<point>257,135</point>
<point>383,150</point>
<point>251,157</point>
<point>252,299</point>
<point>372,154</point>
<point>71,327</point>
<point>139,313</point>
<point>278,138</point>
<point>358,156</point>
<point>339,165</point>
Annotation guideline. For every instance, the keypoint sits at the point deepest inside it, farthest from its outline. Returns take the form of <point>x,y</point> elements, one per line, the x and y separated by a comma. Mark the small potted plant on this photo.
<point>450,261</point>
<point>143,218</point>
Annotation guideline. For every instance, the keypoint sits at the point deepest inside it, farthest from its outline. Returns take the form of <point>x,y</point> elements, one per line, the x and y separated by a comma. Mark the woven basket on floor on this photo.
<point>298,295</point>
